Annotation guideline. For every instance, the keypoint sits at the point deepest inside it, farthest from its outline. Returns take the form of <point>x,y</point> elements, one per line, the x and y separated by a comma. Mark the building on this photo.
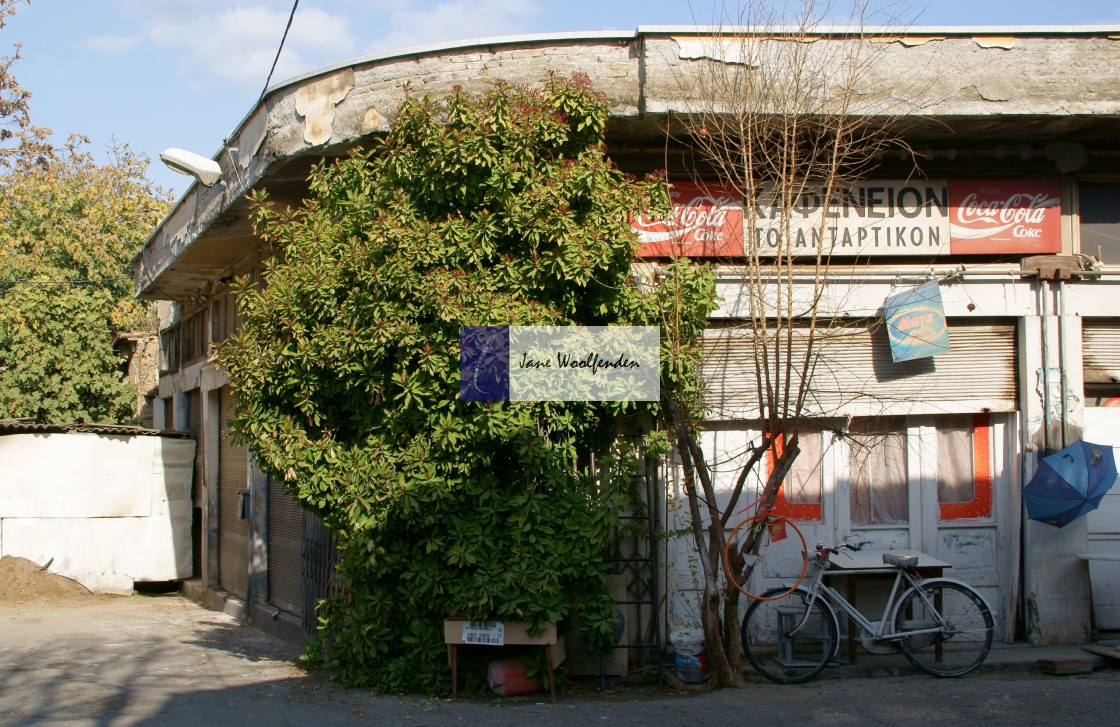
<point>935,452</point>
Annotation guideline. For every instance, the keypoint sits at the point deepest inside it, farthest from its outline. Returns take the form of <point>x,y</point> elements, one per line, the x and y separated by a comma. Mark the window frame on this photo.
<point>797,511</point>
<point>980,506</point>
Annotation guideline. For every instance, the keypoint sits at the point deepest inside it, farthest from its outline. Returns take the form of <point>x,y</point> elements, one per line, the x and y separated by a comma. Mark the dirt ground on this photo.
<point>23,581</point>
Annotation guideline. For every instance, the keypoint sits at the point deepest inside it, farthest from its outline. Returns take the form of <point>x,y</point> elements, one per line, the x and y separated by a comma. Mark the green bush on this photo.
<point>492,209</point>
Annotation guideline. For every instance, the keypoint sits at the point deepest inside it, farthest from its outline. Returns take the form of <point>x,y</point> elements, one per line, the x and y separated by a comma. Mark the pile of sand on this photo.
<point>22,580</point>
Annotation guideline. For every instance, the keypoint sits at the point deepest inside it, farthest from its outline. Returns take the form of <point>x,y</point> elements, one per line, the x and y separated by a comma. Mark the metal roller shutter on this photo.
<point>233,531</point>
<point>855,375</point>
<point>1100,340</point>
<point>194,426</point>
<point>285,549</point>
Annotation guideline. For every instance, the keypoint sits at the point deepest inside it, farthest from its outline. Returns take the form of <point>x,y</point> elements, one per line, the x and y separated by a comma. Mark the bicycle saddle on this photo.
<point>900,561</point>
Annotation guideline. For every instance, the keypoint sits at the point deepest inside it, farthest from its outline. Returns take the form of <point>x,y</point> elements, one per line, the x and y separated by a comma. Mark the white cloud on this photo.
<point>238,45</point>
<point>235,42</point>
<point>112,45</point>
<point>412,23</point>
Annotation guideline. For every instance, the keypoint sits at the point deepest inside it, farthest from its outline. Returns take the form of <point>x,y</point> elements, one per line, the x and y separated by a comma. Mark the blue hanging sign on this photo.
<point>916,323</point>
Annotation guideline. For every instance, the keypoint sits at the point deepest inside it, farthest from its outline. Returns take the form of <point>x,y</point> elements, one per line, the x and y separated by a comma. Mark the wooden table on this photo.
<point>513,632</point>
<point>867,566</point>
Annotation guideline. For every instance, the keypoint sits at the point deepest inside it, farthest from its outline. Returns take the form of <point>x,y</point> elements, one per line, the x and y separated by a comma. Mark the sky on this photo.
<point>154,74</point>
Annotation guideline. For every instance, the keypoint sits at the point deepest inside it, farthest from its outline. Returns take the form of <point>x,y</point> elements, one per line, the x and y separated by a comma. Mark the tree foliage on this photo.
<point>493,209</point>
<point>22,143</point>
<point>68,229</point>
<point>67,233</point>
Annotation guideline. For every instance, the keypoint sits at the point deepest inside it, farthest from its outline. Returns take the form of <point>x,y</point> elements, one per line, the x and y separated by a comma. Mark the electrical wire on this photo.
<point>291,16</point>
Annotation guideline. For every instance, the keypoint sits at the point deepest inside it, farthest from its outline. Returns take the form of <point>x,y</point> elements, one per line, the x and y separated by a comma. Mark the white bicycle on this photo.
<point>943,626</point>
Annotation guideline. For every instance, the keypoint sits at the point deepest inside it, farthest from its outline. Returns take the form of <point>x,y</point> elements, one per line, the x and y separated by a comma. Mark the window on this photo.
<point>800,495</point>
<point>196,331</point>
<point>964,481</point>
<point>1099,208</point>
<point>877,460</point>
<point>169,359</point>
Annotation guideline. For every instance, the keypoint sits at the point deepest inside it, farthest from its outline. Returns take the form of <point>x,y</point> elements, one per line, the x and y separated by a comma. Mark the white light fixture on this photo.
<point>186,162</point>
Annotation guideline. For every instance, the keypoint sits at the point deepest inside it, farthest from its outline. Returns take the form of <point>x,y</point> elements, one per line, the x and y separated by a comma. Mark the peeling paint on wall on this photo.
<point>1006,42</point>
<point>968,549</point>
<point>1052,378</point>
<point>371,121</point>
<point>908,40</point>
<point>315,102</point>
<point>730,51</point>
<point>251,138</point>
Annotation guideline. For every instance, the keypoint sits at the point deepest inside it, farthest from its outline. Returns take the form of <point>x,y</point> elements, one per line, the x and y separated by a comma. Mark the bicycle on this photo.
<point>942,626</point>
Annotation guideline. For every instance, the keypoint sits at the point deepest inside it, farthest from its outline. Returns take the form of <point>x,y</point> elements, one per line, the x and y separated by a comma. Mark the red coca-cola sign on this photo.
<point>707,221</point>
<point>997,217</point>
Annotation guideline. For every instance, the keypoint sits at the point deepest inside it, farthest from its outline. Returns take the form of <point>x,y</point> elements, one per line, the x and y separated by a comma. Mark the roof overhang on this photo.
<point>978,87</point>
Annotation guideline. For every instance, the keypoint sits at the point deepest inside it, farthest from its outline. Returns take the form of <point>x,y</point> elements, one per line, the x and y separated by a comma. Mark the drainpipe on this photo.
<point>1062,355</point>
<point>1044,289</point>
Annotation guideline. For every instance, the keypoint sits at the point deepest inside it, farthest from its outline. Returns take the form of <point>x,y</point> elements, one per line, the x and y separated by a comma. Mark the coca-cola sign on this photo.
<point>871,218</point>
<point>999,217</point>
<point>706,221</point>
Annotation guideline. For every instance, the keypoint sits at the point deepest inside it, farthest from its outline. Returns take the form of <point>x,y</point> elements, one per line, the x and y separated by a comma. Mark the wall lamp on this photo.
<point>186,162</point>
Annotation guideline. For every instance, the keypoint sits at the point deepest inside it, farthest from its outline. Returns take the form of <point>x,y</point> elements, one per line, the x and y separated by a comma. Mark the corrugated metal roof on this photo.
<point>18,426</point>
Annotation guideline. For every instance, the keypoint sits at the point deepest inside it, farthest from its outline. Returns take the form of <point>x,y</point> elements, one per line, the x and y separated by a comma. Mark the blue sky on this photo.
<point>161,73</point>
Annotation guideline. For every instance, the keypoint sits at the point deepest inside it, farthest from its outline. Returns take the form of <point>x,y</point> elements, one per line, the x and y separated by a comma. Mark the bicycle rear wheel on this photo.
<point>777,648</point>
<point>965,637</point>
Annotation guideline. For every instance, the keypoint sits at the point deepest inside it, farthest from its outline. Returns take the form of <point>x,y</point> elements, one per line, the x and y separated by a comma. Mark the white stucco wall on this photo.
<point>109,510</point>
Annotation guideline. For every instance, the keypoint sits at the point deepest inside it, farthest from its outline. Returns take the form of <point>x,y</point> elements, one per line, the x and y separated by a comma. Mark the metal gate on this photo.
<point>233,519</point>
<point>198,484</point>
<point>320,566</point>
<point>285,549</point>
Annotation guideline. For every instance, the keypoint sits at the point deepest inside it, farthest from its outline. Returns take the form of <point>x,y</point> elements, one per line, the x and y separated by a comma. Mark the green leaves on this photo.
<point>68,231</point>
<point>495,209</point>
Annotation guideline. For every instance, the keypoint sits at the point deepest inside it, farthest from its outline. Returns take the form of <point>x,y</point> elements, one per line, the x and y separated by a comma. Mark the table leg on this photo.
<point>551,672</point>
<point>851,631</point>
<point>453,659</point>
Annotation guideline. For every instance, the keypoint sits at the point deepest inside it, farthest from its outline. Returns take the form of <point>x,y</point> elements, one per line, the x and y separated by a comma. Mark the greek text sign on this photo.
<point>874,218</point>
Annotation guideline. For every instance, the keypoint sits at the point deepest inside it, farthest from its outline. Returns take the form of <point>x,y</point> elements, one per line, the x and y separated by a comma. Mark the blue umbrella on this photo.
<point>1070,483</point>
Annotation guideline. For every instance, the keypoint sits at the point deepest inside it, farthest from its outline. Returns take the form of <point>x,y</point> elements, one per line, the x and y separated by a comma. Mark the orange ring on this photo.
<point>766,520</point>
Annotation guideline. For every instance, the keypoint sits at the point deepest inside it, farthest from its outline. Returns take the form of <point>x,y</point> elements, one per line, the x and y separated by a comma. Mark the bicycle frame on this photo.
<point>817,589</point>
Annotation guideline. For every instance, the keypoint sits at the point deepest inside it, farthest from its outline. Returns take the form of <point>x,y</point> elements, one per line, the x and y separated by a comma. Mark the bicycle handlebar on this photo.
<point>823,551</point>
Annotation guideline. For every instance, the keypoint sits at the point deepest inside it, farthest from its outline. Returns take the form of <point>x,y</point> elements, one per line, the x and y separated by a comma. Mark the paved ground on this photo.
<point>164,660</point>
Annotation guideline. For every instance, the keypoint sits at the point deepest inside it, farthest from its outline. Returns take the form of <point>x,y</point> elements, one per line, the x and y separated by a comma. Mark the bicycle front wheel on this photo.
<point>787,640</point>
<point>965,628</point>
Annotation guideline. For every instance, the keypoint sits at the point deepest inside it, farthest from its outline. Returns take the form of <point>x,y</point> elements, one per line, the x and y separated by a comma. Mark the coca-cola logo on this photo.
<point>696,219</point>
<point>1016,216</point>
<point>1027,209</point>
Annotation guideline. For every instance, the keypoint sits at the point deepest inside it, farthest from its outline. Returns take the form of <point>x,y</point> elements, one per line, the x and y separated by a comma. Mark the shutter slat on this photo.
<point>854,373</point>
<point>233,531</point>
<point>285,549</point>
<point>1100,341</point>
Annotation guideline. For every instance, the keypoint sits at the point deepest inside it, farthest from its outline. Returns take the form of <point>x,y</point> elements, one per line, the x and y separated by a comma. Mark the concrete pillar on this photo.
<point>258,531</point>
<point>1056,590</point>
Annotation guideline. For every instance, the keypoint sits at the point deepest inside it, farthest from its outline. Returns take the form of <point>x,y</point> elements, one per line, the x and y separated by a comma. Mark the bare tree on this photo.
<point>788,113</point>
